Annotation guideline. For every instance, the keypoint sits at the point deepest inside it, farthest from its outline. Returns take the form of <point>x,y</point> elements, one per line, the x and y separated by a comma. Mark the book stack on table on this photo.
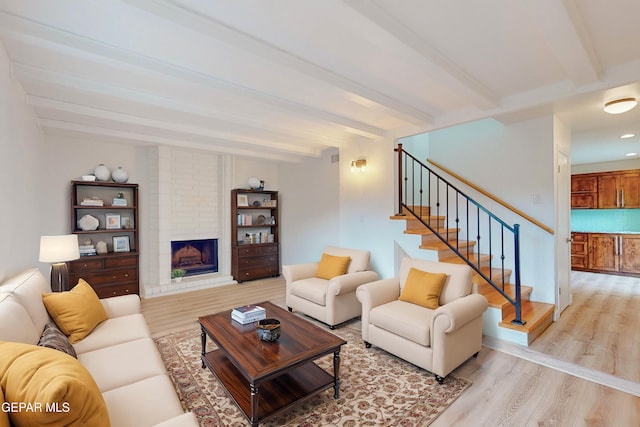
<point>248,314</point>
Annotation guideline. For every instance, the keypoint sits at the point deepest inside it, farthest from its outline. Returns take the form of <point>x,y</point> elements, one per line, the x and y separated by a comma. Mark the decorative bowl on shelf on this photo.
<point>88,223</point>
<point>268,329</point>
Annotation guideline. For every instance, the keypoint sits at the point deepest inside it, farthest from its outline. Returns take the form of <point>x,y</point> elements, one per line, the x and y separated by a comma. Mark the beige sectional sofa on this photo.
<point>119,353</point>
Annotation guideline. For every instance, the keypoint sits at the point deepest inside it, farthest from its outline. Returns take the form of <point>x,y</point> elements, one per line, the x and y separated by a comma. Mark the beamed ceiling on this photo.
<point>285,79</point>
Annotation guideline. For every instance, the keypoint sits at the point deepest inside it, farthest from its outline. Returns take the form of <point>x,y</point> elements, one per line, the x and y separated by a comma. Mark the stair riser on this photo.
<point>414,224</point>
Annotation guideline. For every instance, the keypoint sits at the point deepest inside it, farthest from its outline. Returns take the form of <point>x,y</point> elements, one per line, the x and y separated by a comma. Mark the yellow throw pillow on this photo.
<point>423,288</point>
<point>45,387</point>
<point>331,266</point>
<point>76,312</point>
<point>4,417</point>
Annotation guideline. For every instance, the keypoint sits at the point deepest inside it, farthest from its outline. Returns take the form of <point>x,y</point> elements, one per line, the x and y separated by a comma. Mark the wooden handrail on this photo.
<point>492,197</point>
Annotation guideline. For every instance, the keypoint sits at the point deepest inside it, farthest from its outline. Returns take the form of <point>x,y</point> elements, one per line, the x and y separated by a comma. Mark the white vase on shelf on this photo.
<point>102,173</point>
<point>120,175</point>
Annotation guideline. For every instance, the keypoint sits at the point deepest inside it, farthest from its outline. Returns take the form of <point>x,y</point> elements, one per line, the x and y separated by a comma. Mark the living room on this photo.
<point>323,202</point>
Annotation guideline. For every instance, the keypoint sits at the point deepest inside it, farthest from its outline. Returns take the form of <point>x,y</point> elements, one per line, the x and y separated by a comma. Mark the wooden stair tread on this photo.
<point>440,245</point>
<point>537,315</point>
<point>411,217</point>
<point>426,231</point>
<point>473,258</point>
<point>497,300</point>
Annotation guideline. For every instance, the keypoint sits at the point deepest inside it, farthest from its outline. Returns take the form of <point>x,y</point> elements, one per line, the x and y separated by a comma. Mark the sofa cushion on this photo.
<point>76,312</point>
<point>52,337</point>
<point>123,364</point>
<point>114,331</point>
<point>331,266</point>
<point>186,419</point>
<point>27,288</point>
<point>423,288</point>
<point>144,403</point>
<point>43,376</point>
<point>15,323</point>
<point>405,319</point>
<point>312,289</point>
<point>359,258</point>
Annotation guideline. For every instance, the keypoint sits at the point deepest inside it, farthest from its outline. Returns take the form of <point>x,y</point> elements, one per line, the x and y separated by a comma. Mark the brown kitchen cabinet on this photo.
<point>629,253</point>
<point>613,253</point>
<point>584,192</point>
<point>603,252</point>
<point>606,190</point>
<point>619,190</point>
<point>579,251</point>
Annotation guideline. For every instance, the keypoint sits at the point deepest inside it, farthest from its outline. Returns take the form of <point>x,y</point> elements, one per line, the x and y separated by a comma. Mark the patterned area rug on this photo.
<point>377,389</point>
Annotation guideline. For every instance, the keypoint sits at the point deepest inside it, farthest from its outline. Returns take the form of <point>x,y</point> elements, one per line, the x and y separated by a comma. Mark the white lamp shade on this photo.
<point>59,248</point>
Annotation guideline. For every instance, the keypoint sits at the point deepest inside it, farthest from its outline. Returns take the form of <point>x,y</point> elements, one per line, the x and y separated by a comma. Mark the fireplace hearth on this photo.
<point>198,256</point>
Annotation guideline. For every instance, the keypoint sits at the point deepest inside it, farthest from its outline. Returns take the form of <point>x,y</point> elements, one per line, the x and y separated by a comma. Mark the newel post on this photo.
<point>400,174</point>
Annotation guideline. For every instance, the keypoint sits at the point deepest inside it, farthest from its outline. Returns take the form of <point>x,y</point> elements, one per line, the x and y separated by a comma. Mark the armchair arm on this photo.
<point>460,312</point>
<point>377,293</point>
<point>123,305</point>
<point>374,294</point>
<point>295,272</point>
<point>350,282</point>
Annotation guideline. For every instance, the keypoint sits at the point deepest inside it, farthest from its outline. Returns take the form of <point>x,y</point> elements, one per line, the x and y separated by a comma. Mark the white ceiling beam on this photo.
<point>57,127</point>
<point>112,53</point>
<point>157,126</point>
<point>217,30</point>
<point>30,74</point>
<point>562,26</point>
<point>457,78</point>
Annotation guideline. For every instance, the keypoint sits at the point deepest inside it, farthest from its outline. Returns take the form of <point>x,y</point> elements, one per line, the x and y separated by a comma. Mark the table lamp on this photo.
<point>57,250</point>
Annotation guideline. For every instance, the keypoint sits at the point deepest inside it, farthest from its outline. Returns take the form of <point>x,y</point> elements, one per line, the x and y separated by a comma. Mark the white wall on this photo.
<point>309,207</point>
<point>25,210</point>
<point>516,164</point>
<point>606,166</point>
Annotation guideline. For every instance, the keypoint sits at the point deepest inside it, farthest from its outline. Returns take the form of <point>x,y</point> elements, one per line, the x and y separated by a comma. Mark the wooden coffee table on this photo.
<point>265,378</point>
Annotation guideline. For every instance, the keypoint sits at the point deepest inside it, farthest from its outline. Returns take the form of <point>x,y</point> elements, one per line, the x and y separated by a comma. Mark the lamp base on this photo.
<point>59,277</point>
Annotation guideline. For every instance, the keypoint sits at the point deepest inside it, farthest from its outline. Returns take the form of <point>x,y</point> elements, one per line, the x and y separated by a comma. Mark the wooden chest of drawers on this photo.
<point>251,262</point>
<point>109,275</point>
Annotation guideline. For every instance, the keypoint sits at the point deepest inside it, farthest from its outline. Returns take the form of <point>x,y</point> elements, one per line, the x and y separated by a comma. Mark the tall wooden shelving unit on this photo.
<point>255,250</point>
<point>116,272</point>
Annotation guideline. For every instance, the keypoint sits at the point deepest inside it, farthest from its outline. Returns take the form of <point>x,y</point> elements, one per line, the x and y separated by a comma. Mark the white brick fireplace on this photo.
<point>188,200</point>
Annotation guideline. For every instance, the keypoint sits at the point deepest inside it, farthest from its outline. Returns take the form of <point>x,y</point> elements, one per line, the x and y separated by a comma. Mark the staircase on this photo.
<point>429,204</point>
<point>536,315</point>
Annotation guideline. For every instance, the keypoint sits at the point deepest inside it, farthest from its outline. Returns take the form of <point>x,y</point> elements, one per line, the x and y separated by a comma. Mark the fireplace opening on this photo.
<point>195,256</point>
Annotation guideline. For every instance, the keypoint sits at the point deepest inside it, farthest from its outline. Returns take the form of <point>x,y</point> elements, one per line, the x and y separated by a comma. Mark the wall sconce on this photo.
<point>620,106</point>
<point>57,250</point>
<point>358,164</point>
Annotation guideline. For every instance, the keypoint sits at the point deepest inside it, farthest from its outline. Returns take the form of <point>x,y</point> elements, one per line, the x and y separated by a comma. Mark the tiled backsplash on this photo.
<point>605,220</point>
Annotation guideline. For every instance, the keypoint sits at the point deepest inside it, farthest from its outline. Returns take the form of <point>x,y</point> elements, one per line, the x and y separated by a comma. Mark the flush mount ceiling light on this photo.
<point>627,135</point>
<point>620,106</point>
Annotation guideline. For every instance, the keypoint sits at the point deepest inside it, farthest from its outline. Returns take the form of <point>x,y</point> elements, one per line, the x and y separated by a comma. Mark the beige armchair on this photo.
<point>331,301</point>
<point>438,340</point>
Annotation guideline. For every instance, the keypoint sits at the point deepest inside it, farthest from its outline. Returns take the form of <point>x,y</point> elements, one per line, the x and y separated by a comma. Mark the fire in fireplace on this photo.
<point>195,256</point>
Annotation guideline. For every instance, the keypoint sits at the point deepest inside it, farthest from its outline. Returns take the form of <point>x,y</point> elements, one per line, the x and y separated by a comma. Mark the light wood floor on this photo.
<point>583,371</point>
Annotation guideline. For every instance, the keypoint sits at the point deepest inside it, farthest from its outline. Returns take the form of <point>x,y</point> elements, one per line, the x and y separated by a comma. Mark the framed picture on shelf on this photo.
<point>121,244</point>
<point>243,200</point>
<point>126,223</point>
<point>112,221</point>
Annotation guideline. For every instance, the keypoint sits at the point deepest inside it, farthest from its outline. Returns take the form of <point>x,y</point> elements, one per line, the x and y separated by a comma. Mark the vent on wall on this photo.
<point>335,158</point>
